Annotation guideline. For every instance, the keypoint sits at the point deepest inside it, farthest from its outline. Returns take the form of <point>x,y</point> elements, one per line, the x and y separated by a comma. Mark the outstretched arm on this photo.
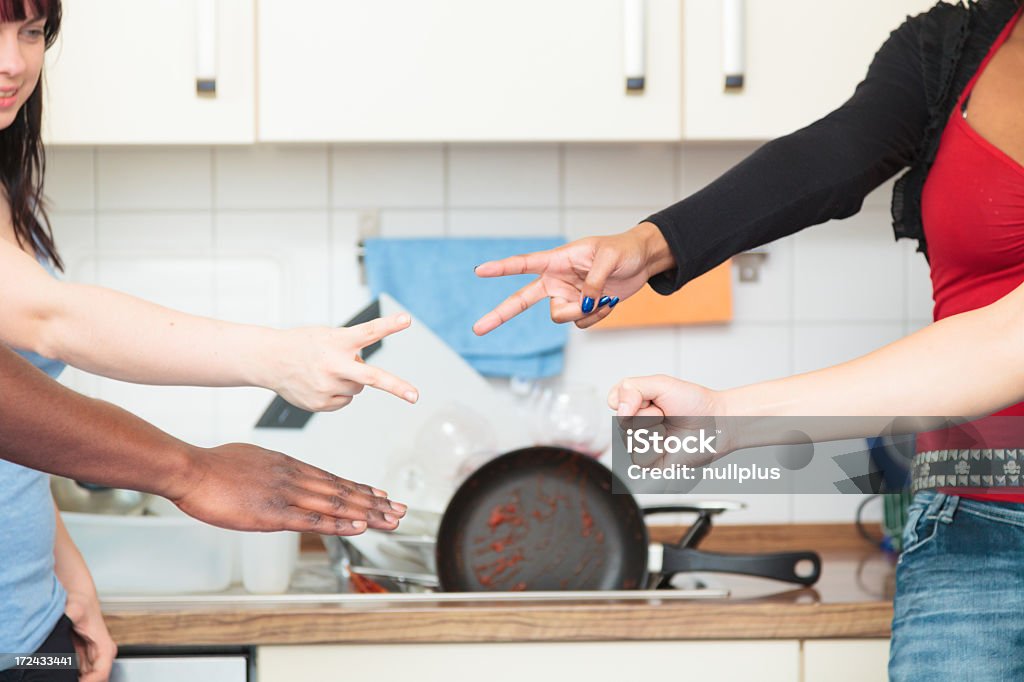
<point>48,427</point>
<point>968,365</point>
<point>819,173</point>
<point>122,337</point>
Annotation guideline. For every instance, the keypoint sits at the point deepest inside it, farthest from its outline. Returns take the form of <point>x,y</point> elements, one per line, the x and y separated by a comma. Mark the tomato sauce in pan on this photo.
<point>536,531</point>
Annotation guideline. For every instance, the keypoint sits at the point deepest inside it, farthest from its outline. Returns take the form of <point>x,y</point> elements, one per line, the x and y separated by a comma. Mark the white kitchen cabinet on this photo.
<point>846,660</point>
<point>125,72</point>
<point>765,661</point>
<point>465,70</point>
<point>803,58</point>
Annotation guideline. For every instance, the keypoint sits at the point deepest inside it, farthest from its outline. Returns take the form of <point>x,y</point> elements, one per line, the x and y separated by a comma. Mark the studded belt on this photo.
<point>967,469</point>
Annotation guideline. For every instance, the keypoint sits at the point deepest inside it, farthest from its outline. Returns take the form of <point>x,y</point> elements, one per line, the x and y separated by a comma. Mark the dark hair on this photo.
<point>22,159</point>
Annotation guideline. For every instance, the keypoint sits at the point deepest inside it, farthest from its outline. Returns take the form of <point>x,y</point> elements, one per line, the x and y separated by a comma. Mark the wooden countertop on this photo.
<point>852,600</point>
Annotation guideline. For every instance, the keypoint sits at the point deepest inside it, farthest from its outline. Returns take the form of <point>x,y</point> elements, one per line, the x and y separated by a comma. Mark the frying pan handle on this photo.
<point>701,527</point>
<point>699,507</point>
<point>780,566</point>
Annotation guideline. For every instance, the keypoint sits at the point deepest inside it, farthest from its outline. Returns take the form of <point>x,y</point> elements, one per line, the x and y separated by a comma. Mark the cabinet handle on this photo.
<point>206,47</point>
<point>734,38</point>
<point>635,47</point>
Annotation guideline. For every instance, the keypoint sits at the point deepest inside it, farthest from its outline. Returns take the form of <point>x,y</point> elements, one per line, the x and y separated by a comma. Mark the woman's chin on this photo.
<point>7,118</point>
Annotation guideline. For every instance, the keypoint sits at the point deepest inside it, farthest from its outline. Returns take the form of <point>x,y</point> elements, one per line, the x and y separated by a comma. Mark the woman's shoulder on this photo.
<point>942,16</point>
<point>954,17</point>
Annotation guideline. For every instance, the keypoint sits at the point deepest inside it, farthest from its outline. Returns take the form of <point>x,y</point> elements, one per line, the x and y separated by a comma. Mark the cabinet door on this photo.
<point>177,668</point>
<point>764,661</point>
<point>846,660</point>
<point>125,72</point>
<point>803,58</point>
<point>458,70</point>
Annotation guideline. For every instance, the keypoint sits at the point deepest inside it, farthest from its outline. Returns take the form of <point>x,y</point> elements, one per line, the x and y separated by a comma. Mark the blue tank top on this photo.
<point>32,600</point>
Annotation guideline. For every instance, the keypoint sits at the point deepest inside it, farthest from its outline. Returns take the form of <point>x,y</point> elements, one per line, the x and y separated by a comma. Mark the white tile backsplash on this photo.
<point>701,162</point>
<point>400,222</point>
<point>75,235</point>
<point>71,179</point>
<point>605,175</point>
<point>602,358</point>
<point>818,345</point>
<point>770,298</point>
<point>387,176</point>
<point>503,176</point>
<point>270,177</point>
<point>849,270</point>
<point>164,233</point>
<point>147,179</point>
<point>737,354</point>
<point>348,292</point>
<point>298,242</point>
<point>267,235</point>
<point>516,222</point>
<point>183,283</point>
<point>588,222</point>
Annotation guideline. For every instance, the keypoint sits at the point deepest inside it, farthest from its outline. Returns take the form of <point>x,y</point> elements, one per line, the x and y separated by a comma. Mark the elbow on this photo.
<point>40,328</point>
<point>1005,319</point>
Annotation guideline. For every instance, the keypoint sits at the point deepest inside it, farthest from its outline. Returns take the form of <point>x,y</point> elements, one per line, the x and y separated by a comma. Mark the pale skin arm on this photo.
<point>119,336</point>
<point>968,365</point>
<point>93,644</point>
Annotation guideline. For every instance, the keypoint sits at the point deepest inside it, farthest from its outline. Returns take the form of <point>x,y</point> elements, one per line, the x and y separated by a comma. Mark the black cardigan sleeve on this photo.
<point>818,173</point>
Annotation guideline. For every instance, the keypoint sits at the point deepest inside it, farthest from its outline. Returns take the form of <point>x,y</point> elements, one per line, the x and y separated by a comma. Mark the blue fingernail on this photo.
<point>605,300</point>
<point>588,305</point>
<point>614,302</point>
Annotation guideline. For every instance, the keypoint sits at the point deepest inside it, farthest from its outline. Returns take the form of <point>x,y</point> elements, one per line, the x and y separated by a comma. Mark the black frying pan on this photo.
<point>545,518</point>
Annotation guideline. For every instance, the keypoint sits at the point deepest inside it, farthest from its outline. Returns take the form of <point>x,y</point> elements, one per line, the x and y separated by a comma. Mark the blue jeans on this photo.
<point>959,607</point>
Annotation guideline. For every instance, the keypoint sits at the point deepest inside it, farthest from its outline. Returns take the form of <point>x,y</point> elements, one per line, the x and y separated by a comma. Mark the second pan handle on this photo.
<point>779,566</point>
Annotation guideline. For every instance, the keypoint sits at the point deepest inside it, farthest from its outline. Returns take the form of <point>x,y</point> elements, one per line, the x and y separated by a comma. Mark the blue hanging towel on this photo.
<point>434,280</point>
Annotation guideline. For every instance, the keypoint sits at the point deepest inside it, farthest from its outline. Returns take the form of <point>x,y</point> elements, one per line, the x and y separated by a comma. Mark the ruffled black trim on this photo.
<point>954,40</point>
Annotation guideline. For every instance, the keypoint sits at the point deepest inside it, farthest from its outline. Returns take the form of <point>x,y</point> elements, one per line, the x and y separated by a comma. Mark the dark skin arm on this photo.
<point>48,427</point>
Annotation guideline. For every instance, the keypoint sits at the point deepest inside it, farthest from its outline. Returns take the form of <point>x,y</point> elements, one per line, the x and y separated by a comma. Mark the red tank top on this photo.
<point>972,208</point>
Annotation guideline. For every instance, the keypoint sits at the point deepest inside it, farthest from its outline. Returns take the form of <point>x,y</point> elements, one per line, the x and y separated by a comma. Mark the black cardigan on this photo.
<point>894,120</point>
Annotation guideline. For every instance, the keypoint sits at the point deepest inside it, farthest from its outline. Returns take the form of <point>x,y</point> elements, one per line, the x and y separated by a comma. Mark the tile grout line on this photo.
<point>562,190</point>
<point>331,254</point>
<point>342,207</point>
<point>96,213</point>
<point>446,186</point>
<point>677,186</point>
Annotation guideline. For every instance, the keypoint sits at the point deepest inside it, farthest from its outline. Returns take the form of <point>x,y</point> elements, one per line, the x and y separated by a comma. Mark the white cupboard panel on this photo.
<point>463,70</point>
<point>803,58</point>
<point>764,661</point>
<point>125,72</point>
<point>850,660</point>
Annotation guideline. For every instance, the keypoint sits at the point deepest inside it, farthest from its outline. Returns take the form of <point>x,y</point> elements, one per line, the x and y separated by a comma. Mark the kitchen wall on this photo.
<point>268,235</point>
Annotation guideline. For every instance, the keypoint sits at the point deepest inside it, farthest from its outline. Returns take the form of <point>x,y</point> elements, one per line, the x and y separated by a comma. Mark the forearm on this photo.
<point>968,365</point>
<point>116,335</point>
<point>70,567</point>
<point>119,336</point>
<point>48,427</point>
<point>807,178</point>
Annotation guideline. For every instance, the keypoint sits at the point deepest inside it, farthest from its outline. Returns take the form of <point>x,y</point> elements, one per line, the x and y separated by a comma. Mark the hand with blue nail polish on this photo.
<point>579,276</point>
